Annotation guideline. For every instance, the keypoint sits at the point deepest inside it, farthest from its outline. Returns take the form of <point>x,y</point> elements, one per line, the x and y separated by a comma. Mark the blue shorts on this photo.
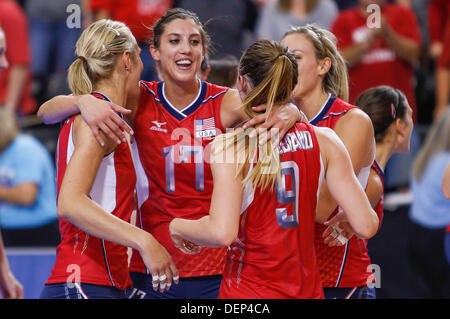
<point>205,287</point>
<point>363,292</point>
<point>81,291</point>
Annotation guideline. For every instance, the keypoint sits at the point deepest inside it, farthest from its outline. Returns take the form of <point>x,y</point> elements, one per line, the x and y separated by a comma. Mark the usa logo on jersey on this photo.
<point>205,128</point>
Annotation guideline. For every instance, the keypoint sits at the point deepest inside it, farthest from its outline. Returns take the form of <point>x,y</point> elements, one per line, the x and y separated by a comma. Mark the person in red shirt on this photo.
<point>381,54</point>
<point>264,206</point>
<point>438,18</point>
<point>391,116</point>
<point>173,179</point>
<point>139,16</point>
<point>381,43</point>
<point>95,185</point>
<point>15,81</point>
<point>322,97</point>
<point>442,83</point>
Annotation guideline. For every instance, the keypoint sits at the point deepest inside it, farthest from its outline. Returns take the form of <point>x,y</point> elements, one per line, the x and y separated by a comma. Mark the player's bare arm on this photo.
<point>355,130</point>
<point>279,121</point>
<point>75,205</point>
<point>99,114</point>
<point>220,227</point>
<point>342,181</point>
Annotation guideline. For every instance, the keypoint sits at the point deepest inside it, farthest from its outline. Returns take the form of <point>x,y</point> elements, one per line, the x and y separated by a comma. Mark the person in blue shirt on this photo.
<point>430,213</point>
<point>27,182</point>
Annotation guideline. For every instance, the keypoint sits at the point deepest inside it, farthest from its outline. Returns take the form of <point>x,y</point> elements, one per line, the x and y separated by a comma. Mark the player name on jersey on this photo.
<point>298,140</point>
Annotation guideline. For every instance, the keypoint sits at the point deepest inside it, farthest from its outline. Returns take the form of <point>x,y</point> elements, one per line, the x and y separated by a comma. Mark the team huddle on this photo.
<point>236,193</point>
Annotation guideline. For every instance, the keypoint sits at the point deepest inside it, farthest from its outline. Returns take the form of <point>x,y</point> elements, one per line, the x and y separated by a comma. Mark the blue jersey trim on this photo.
<point>186,112</point>
<point>378,169</point>
<point>343,264</point>
<point>324,111</point>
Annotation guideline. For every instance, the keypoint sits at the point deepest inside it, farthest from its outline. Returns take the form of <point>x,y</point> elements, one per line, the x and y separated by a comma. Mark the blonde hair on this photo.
<point>8,127</point>
<point>324,42</point>
<point>272,70</point>
<point>98,49</point>
<point>437,140</point>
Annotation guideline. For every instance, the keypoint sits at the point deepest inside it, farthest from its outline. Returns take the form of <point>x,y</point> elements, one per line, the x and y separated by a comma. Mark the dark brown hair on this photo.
<point>224,71</point>
<point>173,14</point>
<point>384,105</point>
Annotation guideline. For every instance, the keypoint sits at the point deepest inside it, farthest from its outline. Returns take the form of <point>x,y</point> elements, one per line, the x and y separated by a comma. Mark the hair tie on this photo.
<point>82,58</point>
<point>393,111</point>
<point>279,55</point>
<point>394,108</point>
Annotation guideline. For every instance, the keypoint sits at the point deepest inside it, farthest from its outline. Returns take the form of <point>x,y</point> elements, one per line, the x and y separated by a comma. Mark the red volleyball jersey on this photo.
<point>273,256</point>
<point>336,263</point>
<point>174,175</point>
<point>359,265</point>
<point>380,205</point>
<point>80,256</point>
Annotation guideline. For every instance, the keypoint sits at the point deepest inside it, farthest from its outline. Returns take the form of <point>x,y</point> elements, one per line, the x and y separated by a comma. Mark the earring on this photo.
<point>127,69</point>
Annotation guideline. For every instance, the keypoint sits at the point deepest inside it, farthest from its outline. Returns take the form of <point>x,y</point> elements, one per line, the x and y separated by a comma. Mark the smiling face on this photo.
<point>310,74</point>
<point>180,51</point>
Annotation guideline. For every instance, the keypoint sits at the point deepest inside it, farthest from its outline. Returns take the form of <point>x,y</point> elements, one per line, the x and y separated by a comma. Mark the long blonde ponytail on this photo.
<point>272,70</point>
<point>97,50</point>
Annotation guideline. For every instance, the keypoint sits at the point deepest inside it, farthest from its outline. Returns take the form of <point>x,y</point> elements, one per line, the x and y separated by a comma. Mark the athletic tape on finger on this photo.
<point>337,228</point>
<point>342,239</point>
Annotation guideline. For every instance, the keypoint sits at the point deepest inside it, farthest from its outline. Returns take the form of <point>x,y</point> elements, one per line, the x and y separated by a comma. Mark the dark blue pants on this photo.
<point>205,287</point>
<point>363,292</point>
<point>81,291</point>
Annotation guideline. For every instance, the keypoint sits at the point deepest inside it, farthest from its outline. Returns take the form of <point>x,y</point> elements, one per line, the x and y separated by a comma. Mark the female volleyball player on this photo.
<point>96,184</point>
<point>175,122</point>
<point>321,93</point>
<point>391,117</point>
<point>264,200</point>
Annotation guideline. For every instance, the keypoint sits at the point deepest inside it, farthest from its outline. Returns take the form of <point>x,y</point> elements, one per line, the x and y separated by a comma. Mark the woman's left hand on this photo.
<point>182,244</point>
<point>276,125</point>
<point>338,231</point>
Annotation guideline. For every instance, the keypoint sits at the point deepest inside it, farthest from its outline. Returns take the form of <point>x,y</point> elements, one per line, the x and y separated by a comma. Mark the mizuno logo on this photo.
<point>157,126</point>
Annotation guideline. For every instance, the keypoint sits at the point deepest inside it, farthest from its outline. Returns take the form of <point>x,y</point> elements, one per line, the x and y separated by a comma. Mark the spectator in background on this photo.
<point>9,286</point>
<point>278,16</point>
<point>15,81</point>
<point>52,45</point>
<point>382,54</point>
<point>438,17</point>
<point>224,71</point>
<point>139,16</point>
<point>27,188</point>
<point>430,213</point>
<point>230,23</point>
<point>439,50</point>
